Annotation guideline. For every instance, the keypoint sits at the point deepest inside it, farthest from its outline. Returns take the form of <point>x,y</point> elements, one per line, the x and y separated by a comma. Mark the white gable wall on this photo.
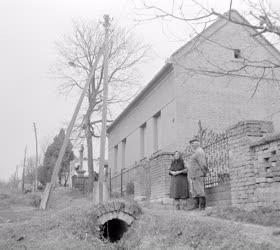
<point>220,101</point>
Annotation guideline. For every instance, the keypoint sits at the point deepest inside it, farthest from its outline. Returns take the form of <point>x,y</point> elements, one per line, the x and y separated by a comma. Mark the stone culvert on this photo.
<point>115,217</point>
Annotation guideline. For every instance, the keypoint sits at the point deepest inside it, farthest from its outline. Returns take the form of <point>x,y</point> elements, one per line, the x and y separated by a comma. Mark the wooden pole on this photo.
<point>49,187</point>
<point>122,182</point>
<point>104,108</point>
<point>81,156</point>
<point>23,170</point>
<point>17,181</point>
<point>110,186</point>
<point>36,160</point>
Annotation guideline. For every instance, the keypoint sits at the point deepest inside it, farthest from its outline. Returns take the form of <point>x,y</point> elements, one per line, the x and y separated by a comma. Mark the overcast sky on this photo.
<point>29,29</point>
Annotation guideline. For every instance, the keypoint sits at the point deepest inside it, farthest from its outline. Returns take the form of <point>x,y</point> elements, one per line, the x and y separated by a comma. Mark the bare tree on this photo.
<point>77,53</point>
<point>264,21</point>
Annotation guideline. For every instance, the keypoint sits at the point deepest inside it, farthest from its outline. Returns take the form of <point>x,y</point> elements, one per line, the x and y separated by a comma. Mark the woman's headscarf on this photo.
<point>180,156</point>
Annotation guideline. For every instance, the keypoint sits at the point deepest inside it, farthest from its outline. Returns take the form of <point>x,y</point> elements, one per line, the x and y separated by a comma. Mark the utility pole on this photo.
<point>50,186</point>
<point>16,177</point>
<point>36,163</point>
<point>104,108</point>
<point>23,170</point>
<point>81,151</point>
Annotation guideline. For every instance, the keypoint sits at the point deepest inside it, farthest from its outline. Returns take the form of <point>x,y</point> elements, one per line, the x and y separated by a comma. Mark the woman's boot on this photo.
<point>177,204</point>
<point>195,203</point>
<point>184,204</point>
<point>202,203</point>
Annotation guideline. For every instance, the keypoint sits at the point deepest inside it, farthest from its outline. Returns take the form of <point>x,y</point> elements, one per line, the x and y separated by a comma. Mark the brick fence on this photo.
<point>149,177</point>
<point>253,167</point>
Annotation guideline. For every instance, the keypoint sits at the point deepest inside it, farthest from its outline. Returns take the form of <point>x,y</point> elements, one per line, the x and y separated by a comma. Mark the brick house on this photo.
<point>203,80</point>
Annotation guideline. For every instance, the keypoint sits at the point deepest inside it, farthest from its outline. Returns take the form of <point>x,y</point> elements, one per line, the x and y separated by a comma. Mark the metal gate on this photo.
<point>216,148</point>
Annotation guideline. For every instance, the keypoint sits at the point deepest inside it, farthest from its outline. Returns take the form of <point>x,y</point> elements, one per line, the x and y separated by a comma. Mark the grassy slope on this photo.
<point>263,216</point>
<point>162,229</point>
<point>67,225</point>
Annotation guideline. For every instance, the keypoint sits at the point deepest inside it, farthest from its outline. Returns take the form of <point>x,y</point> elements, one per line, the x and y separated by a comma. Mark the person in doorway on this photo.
<point>179,181</point>
<point>197,170</point>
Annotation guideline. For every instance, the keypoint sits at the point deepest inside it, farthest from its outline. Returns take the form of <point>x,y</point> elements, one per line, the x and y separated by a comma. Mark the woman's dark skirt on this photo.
<point>179,188</point>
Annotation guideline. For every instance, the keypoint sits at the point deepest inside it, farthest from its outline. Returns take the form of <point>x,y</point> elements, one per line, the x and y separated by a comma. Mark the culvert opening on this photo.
<point>113,230</point>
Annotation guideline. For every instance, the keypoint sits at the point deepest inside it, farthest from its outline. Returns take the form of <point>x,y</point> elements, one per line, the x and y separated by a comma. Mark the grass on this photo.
<point>262,216</point>
<point>70,223</point>
<point>162,229</point>
<point>16,198</point>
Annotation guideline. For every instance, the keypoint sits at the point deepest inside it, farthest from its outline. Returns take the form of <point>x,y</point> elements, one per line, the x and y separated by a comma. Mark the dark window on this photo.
<point>237,53</point>
<point>116,157</point>
<point>123,152</point>
<point>156,130</point>
<point>142,140</point>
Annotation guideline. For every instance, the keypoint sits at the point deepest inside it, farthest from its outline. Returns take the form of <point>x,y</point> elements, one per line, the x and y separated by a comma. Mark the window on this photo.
<point>123,152</point>
<point>116,157</point>
<point>142,140</point>
<point>237,53</point>
<point>156,121</point>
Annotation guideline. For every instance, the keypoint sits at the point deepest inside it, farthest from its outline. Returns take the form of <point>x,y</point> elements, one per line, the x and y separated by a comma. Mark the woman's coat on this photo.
<point>179,184</point>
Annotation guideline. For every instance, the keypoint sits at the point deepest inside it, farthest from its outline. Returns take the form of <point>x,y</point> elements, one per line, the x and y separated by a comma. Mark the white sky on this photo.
<point>29,29</point>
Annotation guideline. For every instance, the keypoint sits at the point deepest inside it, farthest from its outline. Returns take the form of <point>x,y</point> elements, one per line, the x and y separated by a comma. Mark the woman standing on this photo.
<point>179,180</point>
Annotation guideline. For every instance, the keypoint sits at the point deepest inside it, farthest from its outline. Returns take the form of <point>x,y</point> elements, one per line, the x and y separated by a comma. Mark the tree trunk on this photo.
<point>90,156</point>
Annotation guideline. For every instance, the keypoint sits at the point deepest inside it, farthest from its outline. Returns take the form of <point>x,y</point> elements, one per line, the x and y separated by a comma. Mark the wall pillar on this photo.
<point>140,184</point>
<point>241,160</point>
<point>160,179</point>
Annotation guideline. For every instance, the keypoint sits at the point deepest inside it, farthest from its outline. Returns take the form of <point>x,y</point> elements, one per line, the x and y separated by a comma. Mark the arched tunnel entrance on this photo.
<point>115,217</point>
<point>113,230</point>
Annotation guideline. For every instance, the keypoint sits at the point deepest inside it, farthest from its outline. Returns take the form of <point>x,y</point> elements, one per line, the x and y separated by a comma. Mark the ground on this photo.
<point>69,224</point>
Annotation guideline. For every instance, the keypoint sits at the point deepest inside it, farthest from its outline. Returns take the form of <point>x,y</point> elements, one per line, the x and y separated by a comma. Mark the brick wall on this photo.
<point>266,158</point>
<point>242,163</point>
<point>160,179</point>
<point>150,178</point>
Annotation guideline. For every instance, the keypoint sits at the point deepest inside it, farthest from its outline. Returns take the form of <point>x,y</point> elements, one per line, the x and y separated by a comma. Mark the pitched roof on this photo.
<point>235,15</point>
<point>168,66</point>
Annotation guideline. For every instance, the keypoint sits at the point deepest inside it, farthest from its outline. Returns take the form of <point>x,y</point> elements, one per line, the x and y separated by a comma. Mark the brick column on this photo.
<point>241,162</point>
<point>160,180</point>
<point>267,169</point>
